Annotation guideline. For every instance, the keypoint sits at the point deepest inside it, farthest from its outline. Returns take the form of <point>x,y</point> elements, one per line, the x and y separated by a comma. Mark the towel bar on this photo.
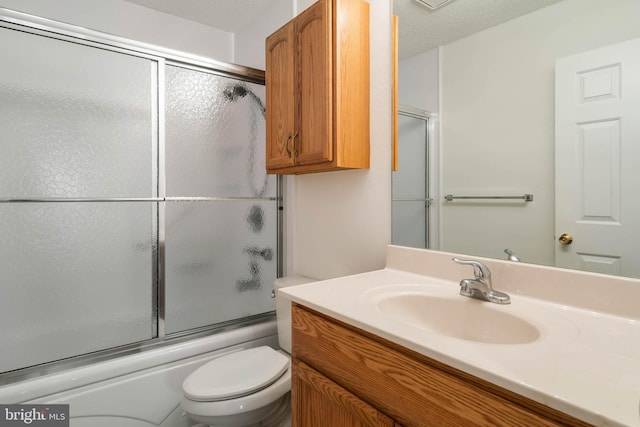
<point>525,197</point>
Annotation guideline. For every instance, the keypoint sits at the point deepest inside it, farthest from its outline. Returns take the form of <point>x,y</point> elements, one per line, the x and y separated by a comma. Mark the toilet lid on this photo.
<point>235,374</point>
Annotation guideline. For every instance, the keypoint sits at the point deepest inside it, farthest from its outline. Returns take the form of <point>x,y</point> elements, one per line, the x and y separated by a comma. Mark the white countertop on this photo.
<point>585,363</point>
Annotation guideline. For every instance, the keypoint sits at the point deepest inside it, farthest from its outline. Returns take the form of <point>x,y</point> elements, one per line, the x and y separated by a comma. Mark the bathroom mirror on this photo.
<point>486,73</point>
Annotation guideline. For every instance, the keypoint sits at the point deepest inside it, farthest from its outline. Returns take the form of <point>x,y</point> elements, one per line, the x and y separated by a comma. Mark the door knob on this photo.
<point>565,239</point>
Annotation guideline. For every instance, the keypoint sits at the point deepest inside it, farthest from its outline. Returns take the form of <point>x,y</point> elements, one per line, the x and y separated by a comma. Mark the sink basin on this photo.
<point>461,318</point>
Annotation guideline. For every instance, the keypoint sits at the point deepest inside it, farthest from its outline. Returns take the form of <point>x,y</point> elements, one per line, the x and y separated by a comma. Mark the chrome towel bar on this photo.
<point>525,197</point>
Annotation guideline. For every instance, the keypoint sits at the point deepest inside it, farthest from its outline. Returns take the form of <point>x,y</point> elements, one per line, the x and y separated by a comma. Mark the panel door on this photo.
<point>314,79</point>
<point>598,159</point>
<point>280,97</point>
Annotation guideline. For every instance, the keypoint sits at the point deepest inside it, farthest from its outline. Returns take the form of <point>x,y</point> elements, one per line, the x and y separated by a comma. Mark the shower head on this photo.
<point>234,92</point>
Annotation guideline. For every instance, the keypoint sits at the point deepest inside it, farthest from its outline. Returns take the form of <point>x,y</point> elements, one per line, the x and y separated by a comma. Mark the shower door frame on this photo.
<point>432,174</point>
<point>162,57</point>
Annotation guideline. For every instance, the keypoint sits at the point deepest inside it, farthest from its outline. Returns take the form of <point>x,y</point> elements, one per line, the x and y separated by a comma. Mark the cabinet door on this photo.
<point>318,401</point>
<point>280,95</point>
<point>314,81</point>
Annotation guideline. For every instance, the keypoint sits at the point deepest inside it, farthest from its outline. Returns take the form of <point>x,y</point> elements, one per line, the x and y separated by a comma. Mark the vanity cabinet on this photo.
<point>317,90</point>
<point>341,363</point>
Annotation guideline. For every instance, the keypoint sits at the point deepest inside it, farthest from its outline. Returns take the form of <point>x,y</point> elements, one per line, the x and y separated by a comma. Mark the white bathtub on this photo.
<point>141,390</point>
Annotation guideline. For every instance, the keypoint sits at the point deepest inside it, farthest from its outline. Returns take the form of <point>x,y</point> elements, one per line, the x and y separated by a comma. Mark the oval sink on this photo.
<point>462,318</point>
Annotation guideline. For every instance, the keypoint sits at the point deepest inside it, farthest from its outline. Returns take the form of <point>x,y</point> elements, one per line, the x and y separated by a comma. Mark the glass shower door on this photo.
<point>410,183</point>
<point>219,198</point>
<point>78,130</point>
<point>134,202</point>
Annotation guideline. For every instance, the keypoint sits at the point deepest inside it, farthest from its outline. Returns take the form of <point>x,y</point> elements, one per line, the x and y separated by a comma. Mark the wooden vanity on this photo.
<point>344,376</point>
<point>401,347</point>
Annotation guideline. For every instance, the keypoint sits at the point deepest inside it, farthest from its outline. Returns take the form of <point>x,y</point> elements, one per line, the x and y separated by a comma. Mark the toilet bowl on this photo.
<point>248,387</point>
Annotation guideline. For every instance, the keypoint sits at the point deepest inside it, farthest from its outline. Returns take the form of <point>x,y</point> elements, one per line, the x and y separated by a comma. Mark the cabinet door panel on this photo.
<point>280,97</point>
<point>318,401</point>
<point>315,80</point>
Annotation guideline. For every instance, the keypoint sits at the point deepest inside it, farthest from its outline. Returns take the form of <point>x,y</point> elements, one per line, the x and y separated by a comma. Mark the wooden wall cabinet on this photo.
<point>375,382</point>
<point>317,82</point>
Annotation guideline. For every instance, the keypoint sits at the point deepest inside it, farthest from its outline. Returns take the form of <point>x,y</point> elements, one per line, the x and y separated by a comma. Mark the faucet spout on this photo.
<point>511,256</point>
<point>480,287</point>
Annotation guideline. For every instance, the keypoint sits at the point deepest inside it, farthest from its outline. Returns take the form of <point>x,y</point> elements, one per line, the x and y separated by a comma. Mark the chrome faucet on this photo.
<point>511,256</point>
<point>480,287</point>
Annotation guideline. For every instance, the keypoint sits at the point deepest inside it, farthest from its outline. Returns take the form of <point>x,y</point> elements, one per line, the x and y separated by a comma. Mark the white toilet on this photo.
<point>249,387</point>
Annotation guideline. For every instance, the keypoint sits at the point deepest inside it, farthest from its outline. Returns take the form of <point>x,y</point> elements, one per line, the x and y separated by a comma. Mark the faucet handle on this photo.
<point>480,270</point>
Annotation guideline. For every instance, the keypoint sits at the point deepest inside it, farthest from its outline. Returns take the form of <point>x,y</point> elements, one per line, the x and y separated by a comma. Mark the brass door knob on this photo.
<point>565,239</point>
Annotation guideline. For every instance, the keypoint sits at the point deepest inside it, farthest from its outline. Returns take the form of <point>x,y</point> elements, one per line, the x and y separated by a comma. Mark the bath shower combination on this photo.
<point>139,228</point>
<point>159,208</point>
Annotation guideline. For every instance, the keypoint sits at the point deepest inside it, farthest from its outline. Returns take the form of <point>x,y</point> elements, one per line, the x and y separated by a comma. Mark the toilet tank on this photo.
<point>283,309</point>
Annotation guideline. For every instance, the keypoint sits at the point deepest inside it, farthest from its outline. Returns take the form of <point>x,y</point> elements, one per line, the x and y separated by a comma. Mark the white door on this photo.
<point>598,160</point>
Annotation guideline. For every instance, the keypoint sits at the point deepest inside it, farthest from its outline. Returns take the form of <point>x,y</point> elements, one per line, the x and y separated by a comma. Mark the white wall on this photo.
<point>418,81</point>
<point>498,122</point>
<point>124,19</point>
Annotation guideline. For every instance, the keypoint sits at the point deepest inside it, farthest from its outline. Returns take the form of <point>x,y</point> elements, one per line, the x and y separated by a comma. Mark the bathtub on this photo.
<point>140,390</point>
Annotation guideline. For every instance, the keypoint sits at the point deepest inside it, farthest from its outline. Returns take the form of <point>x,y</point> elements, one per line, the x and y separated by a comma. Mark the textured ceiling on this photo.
<point>420,29</point>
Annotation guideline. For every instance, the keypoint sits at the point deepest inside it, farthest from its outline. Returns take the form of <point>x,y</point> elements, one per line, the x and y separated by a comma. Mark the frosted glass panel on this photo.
<point>75,121</point>
<point>409,181</point>
<point>409,185</point>
<point>215,136</point>
<point>220,261</point>
<point>220,257</point>
<point>76,278</point>
<point>409,224</point>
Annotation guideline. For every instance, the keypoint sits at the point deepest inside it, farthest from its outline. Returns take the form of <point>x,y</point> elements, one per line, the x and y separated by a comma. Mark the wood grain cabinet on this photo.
<point>359,379</point>
<point>332,405</point>
<point>317,84</point>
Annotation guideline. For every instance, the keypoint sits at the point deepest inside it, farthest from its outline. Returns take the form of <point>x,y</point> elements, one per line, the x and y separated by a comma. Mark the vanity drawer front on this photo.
<point>318,401</point>
<point>411,388</point>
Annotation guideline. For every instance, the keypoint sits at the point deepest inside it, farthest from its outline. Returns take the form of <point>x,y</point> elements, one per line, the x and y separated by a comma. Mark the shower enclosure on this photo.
<point>134,203</point>
<point>411,201</point>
